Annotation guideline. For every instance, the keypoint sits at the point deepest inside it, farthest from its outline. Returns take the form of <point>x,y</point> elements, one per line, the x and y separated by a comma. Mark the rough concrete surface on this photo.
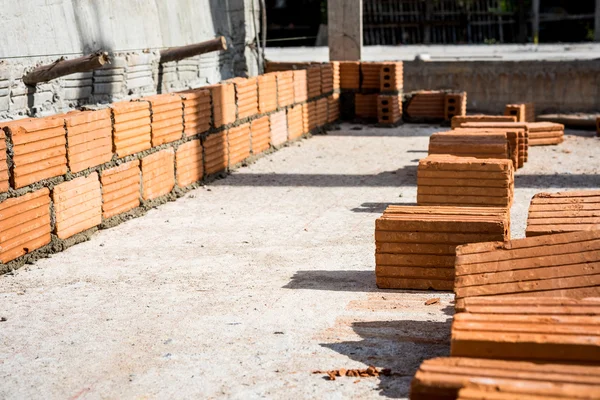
<point>241,289</point>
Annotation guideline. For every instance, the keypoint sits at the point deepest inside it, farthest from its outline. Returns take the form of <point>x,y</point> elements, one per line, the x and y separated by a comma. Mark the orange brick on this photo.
<point>371,75</point>
<point>427,105</point>
<point>261,134</point>
<point>167,118</point>
<point>132,127</point>
<point>313,79</point>
<point>239,144</point>
<point>295,121</point>
<point>524,112</point>
<point>392,77</point>
<point>300,86</point>
<point>89,137</point>
<point>197,111</point>
<point>328,78</point>
<point>4,184</point>
<point>77,205</point>
<point>223,101</point>
<point>120,188</point>
<point>285,88</point>
<point>389,109</point>
<point>216,153</point>
<point>311,115</point>
<point>279,128</point>
<point>39,148</point>
<point>158,174</point>
<point>350,75</point>
<point>365,105</point>
<point>335,65</point>
<point>267,93</point>
<point>455,104</point>
<point>25,224</point>
<point>246,90</point>
<point>334,108</point>
<point>322,105</point>
<point>189,163</point>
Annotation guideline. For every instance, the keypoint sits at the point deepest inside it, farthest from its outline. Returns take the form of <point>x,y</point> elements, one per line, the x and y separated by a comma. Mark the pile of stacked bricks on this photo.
<point>64,176</point>
<point>434,106</point>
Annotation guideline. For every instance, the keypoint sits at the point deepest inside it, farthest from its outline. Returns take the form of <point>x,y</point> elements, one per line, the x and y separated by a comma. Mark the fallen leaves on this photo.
<point>433,301</point>
<point>371,371</point>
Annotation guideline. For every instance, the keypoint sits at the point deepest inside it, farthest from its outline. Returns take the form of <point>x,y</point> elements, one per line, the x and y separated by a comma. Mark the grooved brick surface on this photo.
<point>4,184</point>
<point>465,181</point>
<point>77,205</point>
<point>313,79</point>
<point>427,105</point>
<point>442,378</point>
<point>389,109</point>
<point>545,133</point>
<point>327,78</point>
<point>120,188</point>
<point>562,265</point>
<point>279,128</point>
<point>89,137</point>
<point>333,108</point>
<point>239,144</point>
<point>158,174</point>
<point>285,88</point>
<point>371,75</point>
<point>197,111</point>
<point>25,224</point>
<point>458,120</point>
<point>216,153</point>
<point>335,67</point>
<point>350,75</point>
<point>392,77</point>
<point>267,93</point>
<point>132,127</point>
<point>39,148</point>
<point>563,212</point>
<point>415,246</point>
<point>365,105</point>
<point>322,105</point>
<point>562,334</point>
<point>189,164</point>
<point>246,91</point>
<point>224,109</point>
<point>261,134</point>
<point>295,121</point>
<point>167,118</point>
<point>300,86</point>
<point>510,128</point>
<point>310,115</point>
<point>470,144</point>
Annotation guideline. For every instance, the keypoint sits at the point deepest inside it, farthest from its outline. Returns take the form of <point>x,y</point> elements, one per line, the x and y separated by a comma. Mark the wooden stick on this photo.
<point>179,53</point>
<point>64,67</point>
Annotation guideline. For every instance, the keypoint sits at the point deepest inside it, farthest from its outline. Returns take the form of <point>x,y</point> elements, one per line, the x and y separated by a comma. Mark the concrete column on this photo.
<point>536,21</point>
<point>345,25</point>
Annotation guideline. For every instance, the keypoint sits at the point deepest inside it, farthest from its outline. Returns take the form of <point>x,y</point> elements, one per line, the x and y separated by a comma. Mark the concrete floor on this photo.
<point>243,288</point>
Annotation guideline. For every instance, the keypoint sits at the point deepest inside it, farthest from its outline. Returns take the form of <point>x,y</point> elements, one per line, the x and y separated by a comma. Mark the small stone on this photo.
<point>433,301</point>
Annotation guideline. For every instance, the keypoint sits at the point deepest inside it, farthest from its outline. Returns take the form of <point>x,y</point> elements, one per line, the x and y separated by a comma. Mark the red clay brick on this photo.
<point>25,224</point>
<point>246,90</point>
<point>132,127</point>
<point>167,118</point>
<point>313,79</point>
<point>371,75</point>
<point>510,128</point>
<point>392,77</point>
<point>455,104</point>
<point>279,128</point>
<point>442,378</point>
<point>458,120</point>
<point>295,121</point>
<point>563,265</point>
<point>365,105</point>
<point>285,88</point>
<point>524,112</point>
<point>197,111</point>
<point>77,205</point>
<point>158,174</point>
<point>322,105</point>
<point>312,120</point>
<point>239,144</point>
<point>223,103</point>
<point>216,153</point>
<point>389,109</point>
<point>427,105</point>
<point>89,137</point>
<point>267,93</point>
<point>4,184</point>
<point>327,78</point>
<point>120,188</point>
<point>470,144</point>
<point>189,164</point>
<point>350,75</point>
<point>39,148</point>
<point>333,108</point>
<point>300,86</point>
<point>261,134</point>
<point>335,66</point>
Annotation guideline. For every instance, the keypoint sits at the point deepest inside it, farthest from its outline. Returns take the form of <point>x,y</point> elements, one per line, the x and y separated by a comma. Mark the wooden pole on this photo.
<point>597,22</point>
<point>64,67</point>
<point>536,21</point>
<point>179,53</point>
<point>345,29</point>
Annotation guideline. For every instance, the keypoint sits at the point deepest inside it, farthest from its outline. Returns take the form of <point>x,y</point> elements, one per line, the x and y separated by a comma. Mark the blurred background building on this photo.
<point>395,22</point>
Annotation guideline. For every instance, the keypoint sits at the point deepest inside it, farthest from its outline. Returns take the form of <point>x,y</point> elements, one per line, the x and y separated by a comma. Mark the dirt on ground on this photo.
<point>245,287</point>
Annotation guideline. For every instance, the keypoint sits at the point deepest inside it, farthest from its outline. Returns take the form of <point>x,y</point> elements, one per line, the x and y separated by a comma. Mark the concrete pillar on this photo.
<point>536,21</point>
<point>345,27</point>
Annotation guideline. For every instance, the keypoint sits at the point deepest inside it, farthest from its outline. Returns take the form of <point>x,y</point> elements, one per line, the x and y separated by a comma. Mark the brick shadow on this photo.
<point>547,182</point>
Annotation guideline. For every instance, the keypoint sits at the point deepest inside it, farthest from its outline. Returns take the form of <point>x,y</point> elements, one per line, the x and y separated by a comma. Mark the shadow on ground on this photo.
<point>377,208</point>
<point>374,131</point>
<point>562,180</point>
<point>400,346</point>
<point>406,176</point>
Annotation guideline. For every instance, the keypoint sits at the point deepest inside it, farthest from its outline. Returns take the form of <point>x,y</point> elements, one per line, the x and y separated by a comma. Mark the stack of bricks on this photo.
<point>197,111</point>
<point>529,329</point>
<point>524,112</point>
<point>246,92</point>
<point>166,112</point>
<point>473,144</point>
<point>521,130</point>
<point>562,265</point>
<point>389,109</point>
<point>546,133</point>
<point>458,120</point>
<point>435,106</point>
<point>444,378</point>
<point>551,213</point>
<point>415,246</point>
<point>449,180</point>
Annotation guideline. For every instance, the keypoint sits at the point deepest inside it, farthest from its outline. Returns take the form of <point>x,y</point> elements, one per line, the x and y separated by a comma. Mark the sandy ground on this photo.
<point>243,288</point>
